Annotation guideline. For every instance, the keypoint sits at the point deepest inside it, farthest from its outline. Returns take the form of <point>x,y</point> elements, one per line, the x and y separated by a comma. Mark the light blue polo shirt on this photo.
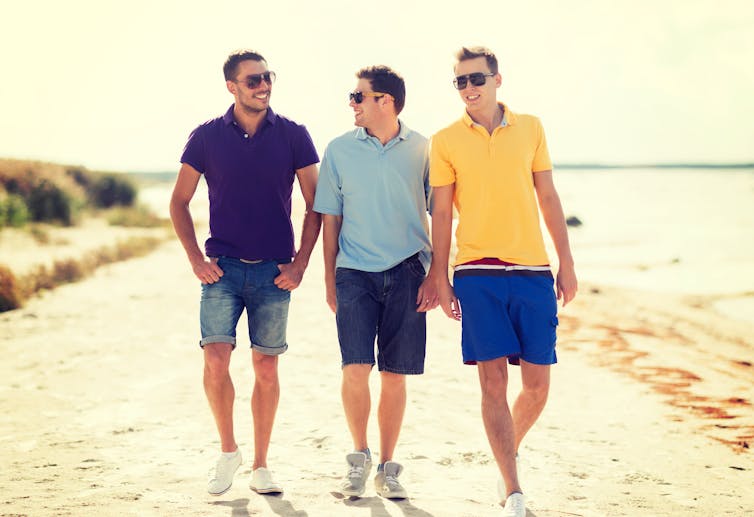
<point>383,194</point>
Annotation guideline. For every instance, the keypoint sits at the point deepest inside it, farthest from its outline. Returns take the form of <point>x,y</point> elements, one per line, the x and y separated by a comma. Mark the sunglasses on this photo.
<point>358,97</point>
<point>477,79</point>
<point>254,80</point>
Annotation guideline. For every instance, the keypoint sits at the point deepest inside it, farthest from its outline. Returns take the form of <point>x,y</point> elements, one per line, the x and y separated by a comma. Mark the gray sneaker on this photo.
<point>387,484</point>
<point>359,467</point>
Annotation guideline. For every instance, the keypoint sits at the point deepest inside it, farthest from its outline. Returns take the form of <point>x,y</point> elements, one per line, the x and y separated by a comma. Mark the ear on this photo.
<point>498,80</point>
<point>232,87</point>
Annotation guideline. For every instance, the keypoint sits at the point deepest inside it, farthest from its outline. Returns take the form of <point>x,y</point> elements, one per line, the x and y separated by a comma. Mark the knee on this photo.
<point>393,382</point>
<point>266,370</point>
<point>356,374</point>
<point>537,391</point>
<point>216,362</point>
<point>494,389</point>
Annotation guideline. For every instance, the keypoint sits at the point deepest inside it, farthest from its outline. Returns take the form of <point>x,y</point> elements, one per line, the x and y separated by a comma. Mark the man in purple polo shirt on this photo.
<point>249,157</point>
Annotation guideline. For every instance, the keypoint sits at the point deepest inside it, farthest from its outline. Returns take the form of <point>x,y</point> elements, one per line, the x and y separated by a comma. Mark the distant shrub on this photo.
<point>81,176</point>
<point>40,234</point>
<point>13,211</point>
<point>138,216</point>
<point>112,190</point>
<point>67,271</point>
<point>48,202</point>
<point>10,297</point>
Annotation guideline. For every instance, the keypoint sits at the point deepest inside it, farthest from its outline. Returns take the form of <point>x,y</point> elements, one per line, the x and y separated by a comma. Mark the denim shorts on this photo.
<point>382,305</point>
<point>513,315</point>
<point>246,286</point>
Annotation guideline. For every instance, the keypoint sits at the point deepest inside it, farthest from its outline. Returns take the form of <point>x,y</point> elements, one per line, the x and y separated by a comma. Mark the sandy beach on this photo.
<point>104,413</point>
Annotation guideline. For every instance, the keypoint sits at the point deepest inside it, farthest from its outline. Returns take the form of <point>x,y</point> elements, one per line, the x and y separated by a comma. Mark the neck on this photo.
<point>385,132</point>
<point>489,117</point>
<point>248,119</point>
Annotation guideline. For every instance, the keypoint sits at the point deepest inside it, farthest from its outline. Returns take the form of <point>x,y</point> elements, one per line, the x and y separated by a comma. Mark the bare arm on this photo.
<point>442,227</point>
<point>552,213</point>
<point>291,274</point>
<point>206,271</point>
<point>330,234</point>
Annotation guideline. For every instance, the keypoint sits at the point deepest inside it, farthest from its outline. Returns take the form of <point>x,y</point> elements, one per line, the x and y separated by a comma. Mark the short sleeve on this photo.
<point>194,151</point>
<point>328,198</point>
<point>304,152</point>
<point>441,172</point>
<point>541,161</point>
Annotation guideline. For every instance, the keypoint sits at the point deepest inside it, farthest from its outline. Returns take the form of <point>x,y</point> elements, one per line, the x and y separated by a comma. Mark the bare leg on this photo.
<point>357,402</point>
<point>264,403</point>
<point>535,379</point>
<point>493,379</point>
<point>390,413</point>
<point>218,387</point>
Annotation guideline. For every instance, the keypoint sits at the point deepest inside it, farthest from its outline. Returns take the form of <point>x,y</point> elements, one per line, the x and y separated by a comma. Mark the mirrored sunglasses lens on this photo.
<point>477,79</point>
<point>356,97</point>
<point>460,82</point>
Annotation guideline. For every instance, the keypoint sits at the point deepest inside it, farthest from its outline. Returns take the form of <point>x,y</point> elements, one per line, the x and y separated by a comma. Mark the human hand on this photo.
<point>290,276</point>
<point>207,270</point>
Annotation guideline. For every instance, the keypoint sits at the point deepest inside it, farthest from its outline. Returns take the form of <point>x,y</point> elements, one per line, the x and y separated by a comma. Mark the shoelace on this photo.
<point>356,472</point>
<point>392,483</point>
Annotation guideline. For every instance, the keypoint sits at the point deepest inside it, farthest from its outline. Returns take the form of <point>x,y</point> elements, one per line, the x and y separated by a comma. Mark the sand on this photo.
<point>103,411</point>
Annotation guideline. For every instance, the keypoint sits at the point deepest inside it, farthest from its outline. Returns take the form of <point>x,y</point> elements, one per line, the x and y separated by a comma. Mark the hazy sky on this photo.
<point>119,85</point>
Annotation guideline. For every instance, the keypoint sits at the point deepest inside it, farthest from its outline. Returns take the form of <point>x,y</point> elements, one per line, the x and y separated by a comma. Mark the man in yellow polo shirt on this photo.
<point>493,164</point>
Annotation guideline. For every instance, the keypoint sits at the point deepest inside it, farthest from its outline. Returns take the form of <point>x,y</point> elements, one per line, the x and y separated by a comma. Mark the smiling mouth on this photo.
<point>262,96</point>
<point>472,97</point>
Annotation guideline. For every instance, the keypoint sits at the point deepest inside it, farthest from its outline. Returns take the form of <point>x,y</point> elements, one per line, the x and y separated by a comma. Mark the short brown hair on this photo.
<point>467,53</point>
<point>386,80</point>
<point>230,68</point>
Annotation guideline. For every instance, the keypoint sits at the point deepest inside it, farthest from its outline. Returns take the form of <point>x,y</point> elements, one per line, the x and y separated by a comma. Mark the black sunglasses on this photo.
<point>477,79</point>
<point>358,97</point>
<point>254,80</point>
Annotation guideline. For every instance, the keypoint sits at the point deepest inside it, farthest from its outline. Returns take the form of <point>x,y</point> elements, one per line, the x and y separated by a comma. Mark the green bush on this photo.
<point>110,190</point>
<point>48,202</point>
<point>13,211</point>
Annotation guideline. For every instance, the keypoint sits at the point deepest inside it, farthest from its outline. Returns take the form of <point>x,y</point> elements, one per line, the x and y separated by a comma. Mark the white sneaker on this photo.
<point>359,467</point>
<point>387,484</point>
<point>221,479</point>
<point>515,505</point>
<point>262,482</point>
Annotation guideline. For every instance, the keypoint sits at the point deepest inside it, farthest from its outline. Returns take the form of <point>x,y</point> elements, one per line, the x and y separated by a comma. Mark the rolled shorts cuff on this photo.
<point>370,362</point>
<point>269,350</point>
<point>400,371</point>
<point>217,339</point>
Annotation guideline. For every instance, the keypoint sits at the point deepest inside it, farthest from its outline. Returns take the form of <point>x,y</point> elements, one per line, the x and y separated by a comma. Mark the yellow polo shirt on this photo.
<point>498,214</point>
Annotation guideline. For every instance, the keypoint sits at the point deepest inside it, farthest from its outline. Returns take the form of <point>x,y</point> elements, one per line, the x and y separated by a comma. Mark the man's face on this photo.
<point>482,96</point>
<point>368,111</point>
<point>251,91</point>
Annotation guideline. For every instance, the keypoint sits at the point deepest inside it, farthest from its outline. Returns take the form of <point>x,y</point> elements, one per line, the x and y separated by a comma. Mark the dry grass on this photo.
<point>15,291</point>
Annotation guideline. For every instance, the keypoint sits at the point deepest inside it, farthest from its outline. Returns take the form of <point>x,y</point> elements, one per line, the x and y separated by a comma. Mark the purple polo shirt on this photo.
<point>250,182</point>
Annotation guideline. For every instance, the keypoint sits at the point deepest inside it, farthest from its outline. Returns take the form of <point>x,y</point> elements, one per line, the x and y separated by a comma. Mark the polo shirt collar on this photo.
<point>229,119</point>
<point>509,118</point>
<point>403,132</point>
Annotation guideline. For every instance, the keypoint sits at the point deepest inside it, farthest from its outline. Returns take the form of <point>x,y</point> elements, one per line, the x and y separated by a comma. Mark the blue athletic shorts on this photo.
<point>246,286</point>
<point>382,305</point>
<point>507,314</point>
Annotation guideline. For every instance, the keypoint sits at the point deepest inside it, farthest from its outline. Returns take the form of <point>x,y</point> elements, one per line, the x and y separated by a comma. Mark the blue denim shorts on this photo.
<point>513,315</point>
<point>246,286</point>
<point>382,305</point>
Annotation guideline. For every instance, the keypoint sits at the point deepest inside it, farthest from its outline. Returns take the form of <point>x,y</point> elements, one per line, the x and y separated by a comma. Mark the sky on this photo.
<point>118,86</point>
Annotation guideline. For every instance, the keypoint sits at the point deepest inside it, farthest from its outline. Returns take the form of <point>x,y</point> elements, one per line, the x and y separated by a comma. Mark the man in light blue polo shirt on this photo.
<point>373,191</point>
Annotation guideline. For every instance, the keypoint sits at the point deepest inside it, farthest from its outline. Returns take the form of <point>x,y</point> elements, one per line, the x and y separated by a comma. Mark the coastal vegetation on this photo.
<point>43,199</point>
